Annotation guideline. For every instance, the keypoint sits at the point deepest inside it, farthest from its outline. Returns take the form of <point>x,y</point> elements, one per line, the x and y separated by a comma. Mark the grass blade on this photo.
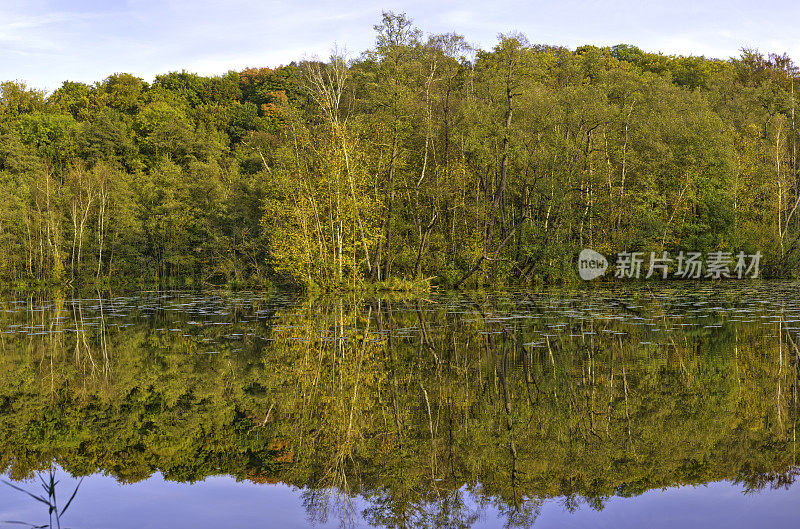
<point>72,497</point>
<point>37,498</point>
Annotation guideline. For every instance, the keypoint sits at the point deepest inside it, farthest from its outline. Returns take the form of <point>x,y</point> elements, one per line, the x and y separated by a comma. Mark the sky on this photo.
<point>46,42</point>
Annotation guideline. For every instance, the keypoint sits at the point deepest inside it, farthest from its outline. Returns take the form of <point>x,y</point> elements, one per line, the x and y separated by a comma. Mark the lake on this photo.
<point>668,404</point>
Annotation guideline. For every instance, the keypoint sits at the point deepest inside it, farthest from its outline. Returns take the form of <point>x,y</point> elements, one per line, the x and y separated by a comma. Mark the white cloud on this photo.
<point>48,41</point>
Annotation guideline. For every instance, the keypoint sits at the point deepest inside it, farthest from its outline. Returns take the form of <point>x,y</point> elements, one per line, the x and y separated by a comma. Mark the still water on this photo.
<point>663,405</point>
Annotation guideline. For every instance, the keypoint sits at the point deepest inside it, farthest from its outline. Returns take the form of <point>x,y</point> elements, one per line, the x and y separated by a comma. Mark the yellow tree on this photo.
<point>326,236</point>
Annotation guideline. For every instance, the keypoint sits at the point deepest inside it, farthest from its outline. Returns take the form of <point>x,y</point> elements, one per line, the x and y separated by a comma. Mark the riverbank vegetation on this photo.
<point>420,159</point>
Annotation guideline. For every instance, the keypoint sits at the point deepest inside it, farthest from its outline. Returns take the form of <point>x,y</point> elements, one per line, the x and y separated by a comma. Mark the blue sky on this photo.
<point>45,42</point>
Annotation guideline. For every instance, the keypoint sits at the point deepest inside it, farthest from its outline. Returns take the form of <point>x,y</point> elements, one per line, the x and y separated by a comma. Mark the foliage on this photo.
<point>419,158</point>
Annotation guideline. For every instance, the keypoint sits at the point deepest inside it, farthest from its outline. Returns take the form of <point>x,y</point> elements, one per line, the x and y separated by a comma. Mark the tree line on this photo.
<point>422,158</point>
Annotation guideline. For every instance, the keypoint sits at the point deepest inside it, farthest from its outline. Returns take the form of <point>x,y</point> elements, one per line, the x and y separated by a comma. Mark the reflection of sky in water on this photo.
<point>715,505</point>
<point>219,502</point>
<point>649,317</point>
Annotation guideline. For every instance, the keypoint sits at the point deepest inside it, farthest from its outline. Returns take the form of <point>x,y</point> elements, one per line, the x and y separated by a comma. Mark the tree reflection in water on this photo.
<point>425,411</point>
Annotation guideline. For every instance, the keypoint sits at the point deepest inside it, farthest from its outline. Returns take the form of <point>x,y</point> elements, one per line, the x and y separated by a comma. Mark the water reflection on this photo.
<point>50,499</point>
<point>408,413</point>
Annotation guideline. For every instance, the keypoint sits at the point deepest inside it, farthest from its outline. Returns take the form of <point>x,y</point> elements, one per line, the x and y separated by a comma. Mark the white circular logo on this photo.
<point>591,264</point>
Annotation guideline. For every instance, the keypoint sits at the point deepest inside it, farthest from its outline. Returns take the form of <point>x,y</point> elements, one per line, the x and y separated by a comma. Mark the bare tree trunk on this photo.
<point>101,225</point>
<point>780,188</point>
<point>501,186</point>
<point>422,242</point>
<point>74,238</point>
<point>624,164</point>
<point>387,264</point>
<point>90,199</point>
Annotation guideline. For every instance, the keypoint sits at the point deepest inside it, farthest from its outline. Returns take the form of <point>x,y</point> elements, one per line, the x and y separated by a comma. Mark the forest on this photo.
<point>420,161</point>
